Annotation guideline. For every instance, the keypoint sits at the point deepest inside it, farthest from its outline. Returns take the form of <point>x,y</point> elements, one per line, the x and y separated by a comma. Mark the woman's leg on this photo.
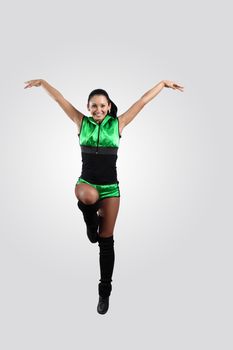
<point>108,214</point>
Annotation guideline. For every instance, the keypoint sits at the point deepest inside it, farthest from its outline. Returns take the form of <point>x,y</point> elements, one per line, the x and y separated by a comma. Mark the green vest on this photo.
<point>103,135</point>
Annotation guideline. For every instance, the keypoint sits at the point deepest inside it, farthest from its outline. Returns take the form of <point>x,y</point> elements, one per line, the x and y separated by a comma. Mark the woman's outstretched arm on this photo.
<point>131,113</point>
<point>70,110</point>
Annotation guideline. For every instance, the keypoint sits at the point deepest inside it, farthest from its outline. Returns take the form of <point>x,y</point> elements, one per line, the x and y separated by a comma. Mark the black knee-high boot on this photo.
<point>91,219</point>
<point>106,259</point>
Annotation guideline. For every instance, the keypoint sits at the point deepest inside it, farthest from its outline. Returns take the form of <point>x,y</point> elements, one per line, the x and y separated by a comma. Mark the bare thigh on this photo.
<point>86,193</point>
<point>108,213</point>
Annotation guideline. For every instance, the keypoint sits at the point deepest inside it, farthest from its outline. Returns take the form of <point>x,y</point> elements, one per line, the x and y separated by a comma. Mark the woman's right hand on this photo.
<point>171,84</point>
<point>35,82</point>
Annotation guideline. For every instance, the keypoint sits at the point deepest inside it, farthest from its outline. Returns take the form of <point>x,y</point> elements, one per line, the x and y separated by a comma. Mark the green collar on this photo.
<point>106,118</point>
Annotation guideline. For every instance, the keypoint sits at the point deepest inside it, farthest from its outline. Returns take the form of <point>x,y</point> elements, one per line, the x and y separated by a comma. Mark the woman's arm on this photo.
<point>70,110</point>
<point>131,113</point>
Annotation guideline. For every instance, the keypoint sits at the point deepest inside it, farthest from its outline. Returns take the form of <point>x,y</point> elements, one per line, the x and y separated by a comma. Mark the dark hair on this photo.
<point>113,110</point>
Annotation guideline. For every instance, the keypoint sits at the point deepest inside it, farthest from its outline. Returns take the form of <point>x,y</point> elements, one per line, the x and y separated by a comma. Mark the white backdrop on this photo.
<point>173,260</point>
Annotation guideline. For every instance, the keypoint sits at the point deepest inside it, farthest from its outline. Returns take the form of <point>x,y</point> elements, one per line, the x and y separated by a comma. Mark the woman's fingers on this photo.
<point>171,84</point>
<point>27,86</point>
<point>179,87</point>
<point>176,86</point>
<point>29,81</point>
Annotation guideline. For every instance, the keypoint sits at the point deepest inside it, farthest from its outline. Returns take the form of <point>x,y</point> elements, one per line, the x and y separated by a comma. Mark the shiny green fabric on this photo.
<point>106,134</point>
<point>104,191</point>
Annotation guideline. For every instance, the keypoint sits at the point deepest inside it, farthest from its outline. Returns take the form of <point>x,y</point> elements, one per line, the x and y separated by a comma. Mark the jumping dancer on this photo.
<point>97,189</point>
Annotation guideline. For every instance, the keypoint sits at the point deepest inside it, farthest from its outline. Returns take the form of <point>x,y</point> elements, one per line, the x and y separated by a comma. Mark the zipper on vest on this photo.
<point>97,148</point>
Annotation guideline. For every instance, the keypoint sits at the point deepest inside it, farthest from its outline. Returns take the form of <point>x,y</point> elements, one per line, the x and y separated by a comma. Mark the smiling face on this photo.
<point>98,107</point>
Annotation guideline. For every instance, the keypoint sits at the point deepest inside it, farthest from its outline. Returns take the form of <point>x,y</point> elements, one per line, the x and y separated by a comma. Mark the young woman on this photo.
<point>97,189</point>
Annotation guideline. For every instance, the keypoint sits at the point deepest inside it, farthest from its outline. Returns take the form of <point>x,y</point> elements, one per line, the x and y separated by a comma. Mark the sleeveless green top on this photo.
<point>99,144</point>
<point>105,134</point>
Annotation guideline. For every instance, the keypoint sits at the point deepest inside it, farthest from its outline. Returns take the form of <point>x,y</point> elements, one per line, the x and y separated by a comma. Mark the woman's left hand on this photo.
<point>171,84</point>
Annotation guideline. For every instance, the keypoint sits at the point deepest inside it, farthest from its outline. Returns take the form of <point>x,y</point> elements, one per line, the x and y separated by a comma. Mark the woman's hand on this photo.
<point>35,82</point>
<point>171,84</point>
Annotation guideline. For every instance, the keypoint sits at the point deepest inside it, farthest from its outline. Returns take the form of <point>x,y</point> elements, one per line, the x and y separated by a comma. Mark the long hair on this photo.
<point>113,110</point>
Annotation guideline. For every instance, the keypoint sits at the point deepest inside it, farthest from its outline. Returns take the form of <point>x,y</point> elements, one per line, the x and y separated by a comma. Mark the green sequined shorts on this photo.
<point>104,191</point>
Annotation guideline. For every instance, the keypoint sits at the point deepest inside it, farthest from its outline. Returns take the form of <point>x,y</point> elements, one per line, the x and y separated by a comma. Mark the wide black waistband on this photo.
<point>99,150</point>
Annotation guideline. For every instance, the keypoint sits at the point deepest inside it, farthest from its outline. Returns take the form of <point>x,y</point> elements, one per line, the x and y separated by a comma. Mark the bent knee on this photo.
<point>86,193</point>
<point>89,199</point>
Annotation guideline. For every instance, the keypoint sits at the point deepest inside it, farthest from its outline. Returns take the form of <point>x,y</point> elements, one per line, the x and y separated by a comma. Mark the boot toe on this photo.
<point>103,305</point>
